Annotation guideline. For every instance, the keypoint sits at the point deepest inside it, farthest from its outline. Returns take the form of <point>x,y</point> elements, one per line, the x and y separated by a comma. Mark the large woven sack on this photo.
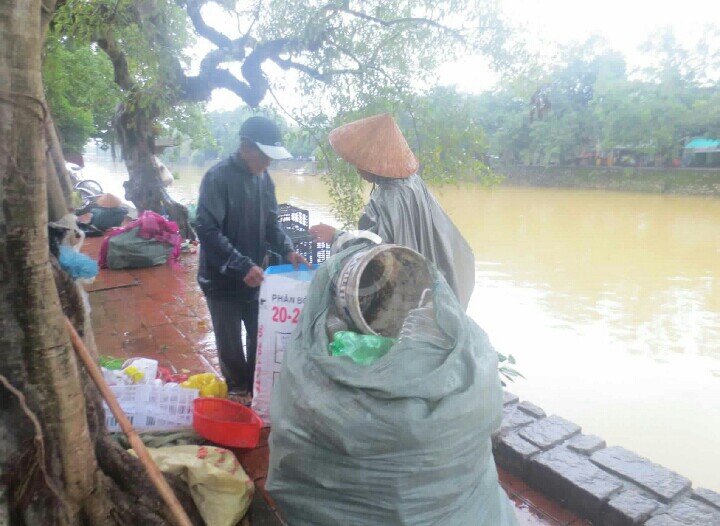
<point>221,489</point>
<point>404,441</point>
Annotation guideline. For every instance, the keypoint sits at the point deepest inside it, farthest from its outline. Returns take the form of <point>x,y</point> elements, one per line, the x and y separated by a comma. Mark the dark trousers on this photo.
<point>228,316</point>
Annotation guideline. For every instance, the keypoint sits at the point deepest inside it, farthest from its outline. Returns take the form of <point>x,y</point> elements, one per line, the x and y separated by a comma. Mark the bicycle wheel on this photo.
<point>89,186</point>
<point>87,200</point>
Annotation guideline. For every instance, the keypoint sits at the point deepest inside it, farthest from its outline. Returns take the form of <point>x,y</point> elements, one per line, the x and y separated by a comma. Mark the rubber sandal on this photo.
<point>241,397</point>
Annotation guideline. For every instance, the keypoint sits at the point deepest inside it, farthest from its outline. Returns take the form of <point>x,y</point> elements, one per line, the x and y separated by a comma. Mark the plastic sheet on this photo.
<point>218,484</point>
<point>76,264</point>
<point>404,212</point>
<point>130,250</point>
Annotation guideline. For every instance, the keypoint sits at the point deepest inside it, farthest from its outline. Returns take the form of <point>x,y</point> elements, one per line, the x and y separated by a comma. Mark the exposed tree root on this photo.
<point>37,440</point>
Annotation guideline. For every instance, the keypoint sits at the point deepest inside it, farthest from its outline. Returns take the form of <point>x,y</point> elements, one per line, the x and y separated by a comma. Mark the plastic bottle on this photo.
<point>363,349</point>
<point>135,374</point>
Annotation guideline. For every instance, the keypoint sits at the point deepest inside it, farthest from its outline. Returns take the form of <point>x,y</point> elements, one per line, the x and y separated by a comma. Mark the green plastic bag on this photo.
<point>360,348</point>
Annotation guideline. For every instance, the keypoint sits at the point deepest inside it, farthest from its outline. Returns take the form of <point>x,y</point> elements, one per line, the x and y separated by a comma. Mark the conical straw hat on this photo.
<point>375,145</point>
<point>108,201</point>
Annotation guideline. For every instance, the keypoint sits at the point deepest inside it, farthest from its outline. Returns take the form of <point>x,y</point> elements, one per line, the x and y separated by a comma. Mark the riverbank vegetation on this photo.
<point>587,106</point>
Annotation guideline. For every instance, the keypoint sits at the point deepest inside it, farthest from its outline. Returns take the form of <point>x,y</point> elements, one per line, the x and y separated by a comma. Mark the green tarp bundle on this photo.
<point>129,250</point>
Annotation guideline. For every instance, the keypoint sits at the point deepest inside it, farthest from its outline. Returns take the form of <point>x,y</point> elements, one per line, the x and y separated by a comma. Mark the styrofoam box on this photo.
<point>153,407</point>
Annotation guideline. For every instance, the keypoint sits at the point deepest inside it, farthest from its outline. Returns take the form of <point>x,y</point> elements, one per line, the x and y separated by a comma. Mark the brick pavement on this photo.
<point>156,312</point>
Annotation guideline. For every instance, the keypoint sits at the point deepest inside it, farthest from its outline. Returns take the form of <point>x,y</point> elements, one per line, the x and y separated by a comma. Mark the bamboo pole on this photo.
<point>153,471</point>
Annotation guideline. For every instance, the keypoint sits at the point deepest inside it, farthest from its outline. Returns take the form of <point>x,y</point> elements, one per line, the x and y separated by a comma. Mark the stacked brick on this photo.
<point>609,486</point>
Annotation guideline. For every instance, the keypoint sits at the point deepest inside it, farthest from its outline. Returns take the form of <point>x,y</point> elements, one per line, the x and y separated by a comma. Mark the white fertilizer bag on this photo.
<point>282,296</point>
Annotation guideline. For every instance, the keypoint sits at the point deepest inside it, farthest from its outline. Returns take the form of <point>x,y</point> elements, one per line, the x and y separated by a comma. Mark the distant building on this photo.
<point>702,152</point>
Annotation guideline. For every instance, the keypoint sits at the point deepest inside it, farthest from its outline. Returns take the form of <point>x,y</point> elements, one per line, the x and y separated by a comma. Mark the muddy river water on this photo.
<point>610,303</point>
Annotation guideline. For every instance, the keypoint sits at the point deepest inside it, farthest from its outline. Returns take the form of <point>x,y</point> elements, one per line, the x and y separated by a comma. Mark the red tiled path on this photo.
<point>533,508</point>
<point>255,462</point>
<point>156,312</point>
<point>160,313</point>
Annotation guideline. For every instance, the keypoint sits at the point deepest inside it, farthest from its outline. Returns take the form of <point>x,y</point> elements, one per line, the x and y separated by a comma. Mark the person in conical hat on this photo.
<point>401,209</point>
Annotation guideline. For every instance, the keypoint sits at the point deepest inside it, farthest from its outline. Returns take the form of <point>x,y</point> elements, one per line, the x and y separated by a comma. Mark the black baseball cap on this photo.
<point>265,134</point>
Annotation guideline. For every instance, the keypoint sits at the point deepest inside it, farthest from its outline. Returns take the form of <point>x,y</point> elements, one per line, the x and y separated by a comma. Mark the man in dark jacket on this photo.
<point>236,223</point>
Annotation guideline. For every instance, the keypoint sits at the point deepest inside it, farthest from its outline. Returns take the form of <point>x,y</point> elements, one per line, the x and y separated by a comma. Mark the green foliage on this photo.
<point>149,34</point>
<point>350,58</point>
<point>357,59</point>
<point>224,128</point>
<point>80,91</point>
<point>384,54</point>
<point>442,128</point>
<point>506,369</point>
<point>300,142</point>
<point>188,125</point>
<point>590,102</point>
<point>346,191</point>
<point>450,142</point>
<point>151,39</point>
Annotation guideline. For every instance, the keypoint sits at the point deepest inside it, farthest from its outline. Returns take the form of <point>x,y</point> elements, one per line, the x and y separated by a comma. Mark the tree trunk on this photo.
<point>58,159</point>
<point>134,129</point>
<point>58,465</point>
<point>38,360</point>
<point>58,205</point>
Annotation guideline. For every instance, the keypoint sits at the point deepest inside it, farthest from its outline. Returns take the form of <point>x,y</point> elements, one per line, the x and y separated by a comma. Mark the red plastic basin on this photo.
<point>226,423</point>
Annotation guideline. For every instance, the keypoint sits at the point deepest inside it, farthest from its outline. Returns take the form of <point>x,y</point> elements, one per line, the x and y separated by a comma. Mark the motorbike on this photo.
<point>86,188</point>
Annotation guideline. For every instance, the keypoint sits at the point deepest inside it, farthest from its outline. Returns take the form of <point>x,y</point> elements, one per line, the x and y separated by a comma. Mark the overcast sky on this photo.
<point>625,24</point>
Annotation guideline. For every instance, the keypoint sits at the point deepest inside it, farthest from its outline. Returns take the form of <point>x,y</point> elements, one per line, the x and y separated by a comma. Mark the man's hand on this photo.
<point>322,233</point>
<point>296,259</point>
<point>254,277</point>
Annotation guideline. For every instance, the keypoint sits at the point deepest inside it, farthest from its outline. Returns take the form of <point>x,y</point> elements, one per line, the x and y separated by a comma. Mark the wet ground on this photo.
<point>161,313</point>
<point>157,313</point>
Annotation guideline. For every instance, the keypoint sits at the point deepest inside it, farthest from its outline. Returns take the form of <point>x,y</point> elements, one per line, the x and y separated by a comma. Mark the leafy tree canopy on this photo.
<point>80,91</point>
<point>343,49</point>
<point>348,56</point>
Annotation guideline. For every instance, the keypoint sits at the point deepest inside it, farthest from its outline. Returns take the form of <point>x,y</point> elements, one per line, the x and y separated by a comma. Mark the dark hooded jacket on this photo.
<point>236,224</point>
<point>404,212</point>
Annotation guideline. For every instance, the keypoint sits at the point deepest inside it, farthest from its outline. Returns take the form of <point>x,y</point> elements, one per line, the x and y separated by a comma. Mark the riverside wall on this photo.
<point>681,181</point>
<point>608,485</point>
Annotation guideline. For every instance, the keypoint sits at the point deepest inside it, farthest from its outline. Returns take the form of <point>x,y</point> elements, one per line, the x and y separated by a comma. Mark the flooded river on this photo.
<point>610,302</point>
